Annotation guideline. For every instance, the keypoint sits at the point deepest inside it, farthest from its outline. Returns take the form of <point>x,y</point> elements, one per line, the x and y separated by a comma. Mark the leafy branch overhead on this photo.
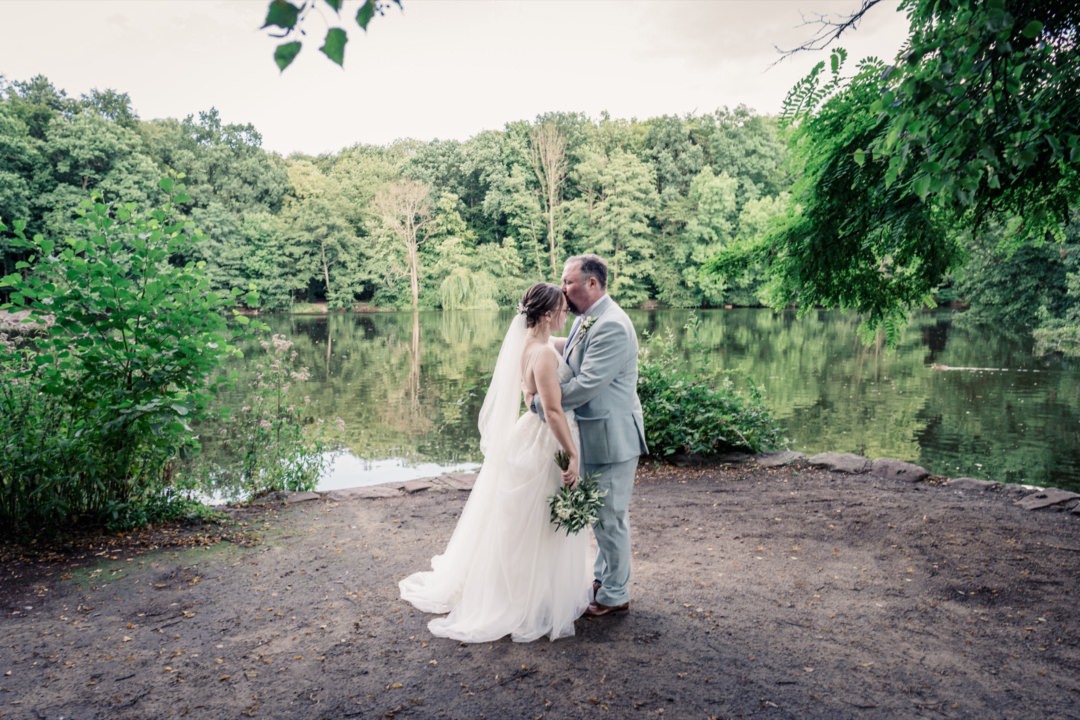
<point>290,19</point>
<point>974,126</point>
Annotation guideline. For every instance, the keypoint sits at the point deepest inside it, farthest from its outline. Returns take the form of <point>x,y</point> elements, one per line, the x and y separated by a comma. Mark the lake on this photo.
<point>959,401</point>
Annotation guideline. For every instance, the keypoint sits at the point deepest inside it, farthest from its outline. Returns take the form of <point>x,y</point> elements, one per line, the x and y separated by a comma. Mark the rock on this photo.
<point>415,486</point>
<point>967,483</point>
<point>371,491</point>
<point>898,470</point>
<point>459,481</point>
<point>841,462</point>
<point>295,497</point>
<point>1019,491</point>
<point>778,459</point>
<point>1046,498</point>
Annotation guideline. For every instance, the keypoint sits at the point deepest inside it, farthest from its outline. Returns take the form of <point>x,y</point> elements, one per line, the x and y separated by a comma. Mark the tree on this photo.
<point>404,206</point>
<point>612,217</point>
<point>111,105</point>
<point>19,156</point>
<point>978,121</point>
<point>315,219</point>
<point>36,102</point>
<point>547,147</point>
<point>87,152</point>
<point>228,176</point>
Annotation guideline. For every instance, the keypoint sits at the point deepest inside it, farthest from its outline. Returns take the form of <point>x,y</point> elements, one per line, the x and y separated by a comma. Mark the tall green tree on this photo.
<point>405,208</point>
<point>85,152</point>
<point>978,121</point>
<point>547,151</point>
<point>228,175</point>
<point>19,156</point>
<point>318,221</point>
<point>611,218</point>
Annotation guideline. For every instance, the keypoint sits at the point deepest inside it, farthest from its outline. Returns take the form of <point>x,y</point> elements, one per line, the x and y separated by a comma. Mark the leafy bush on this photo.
<point>698,414</point>
<point>95,405</point>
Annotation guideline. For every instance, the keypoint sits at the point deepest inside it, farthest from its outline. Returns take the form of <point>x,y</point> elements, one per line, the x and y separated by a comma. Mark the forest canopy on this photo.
<point>427,224</point>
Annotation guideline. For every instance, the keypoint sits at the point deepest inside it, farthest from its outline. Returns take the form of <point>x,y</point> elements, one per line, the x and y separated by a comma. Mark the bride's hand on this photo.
<point>570,474</point>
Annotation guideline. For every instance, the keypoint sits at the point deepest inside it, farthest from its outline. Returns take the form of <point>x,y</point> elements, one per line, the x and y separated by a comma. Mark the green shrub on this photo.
<point>698,414</point>
<point>96,404</point>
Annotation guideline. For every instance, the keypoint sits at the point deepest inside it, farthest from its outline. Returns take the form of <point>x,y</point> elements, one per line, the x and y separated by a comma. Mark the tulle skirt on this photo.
<point>506,569</point>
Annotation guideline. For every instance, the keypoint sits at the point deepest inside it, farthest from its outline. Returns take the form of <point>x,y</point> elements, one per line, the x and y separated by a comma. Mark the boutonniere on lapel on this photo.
<point>585,325</point>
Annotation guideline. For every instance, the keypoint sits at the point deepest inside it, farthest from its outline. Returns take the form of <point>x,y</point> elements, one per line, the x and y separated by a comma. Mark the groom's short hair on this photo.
<point>592,265</point>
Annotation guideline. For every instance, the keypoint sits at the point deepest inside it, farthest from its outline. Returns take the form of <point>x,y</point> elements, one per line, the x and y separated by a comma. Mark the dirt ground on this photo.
<point>788,592</point>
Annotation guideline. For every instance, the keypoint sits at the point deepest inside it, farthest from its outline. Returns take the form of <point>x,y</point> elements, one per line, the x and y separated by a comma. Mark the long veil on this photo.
<point>502,404</point>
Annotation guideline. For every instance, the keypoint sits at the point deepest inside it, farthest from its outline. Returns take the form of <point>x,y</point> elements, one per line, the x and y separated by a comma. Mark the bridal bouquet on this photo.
<point>575,507</point>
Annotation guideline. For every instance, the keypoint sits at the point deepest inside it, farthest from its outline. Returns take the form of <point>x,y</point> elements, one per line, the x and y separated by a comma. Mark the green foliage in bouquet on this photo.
<point>578,506</point>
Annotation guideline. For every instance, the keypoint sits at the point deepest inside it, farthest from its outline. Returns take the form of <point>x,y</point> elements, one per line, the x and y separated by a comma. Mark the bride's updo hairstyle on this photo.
<point>539,300</point>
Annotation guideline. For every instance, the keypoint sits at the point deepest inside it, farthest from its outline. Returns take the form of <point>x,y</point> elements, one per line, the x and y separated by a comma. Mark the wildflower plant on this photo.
<point>268,443</point>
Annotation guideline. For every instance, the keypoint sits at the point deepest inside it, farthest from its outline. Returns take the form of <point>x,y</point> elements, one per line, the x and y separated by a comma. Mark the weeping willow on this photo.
<point>468,290</point>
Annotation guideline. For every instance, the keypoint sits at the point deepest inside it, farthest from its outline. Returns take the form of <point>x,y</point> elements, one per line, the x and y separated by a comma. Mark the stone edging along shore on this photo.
<point>1024,496</point>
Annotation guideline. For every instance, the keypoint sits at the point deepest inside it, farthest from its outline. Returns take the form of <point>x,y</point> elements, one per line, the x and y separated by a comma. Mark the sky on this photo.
<point>435,69</point>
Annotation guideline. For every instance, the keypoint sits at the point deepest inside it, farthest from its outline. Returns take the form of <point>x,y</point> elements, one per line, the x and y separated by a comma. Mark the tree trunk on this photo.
<point>405,207</point>
<point>325,269</point>
<point>548,147</point>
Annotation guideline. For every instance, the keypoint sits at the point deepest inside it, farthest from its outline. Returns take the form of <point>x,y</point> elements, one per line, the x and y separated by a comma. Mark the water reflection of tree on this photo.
<point>406,385</point>
<point>414,373</point>
<point>411,386</point>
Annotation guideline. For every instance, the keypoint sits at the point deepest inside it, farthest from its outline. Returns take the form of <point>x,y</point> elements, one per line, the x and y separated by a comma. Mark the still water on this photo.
<point>956,400</point>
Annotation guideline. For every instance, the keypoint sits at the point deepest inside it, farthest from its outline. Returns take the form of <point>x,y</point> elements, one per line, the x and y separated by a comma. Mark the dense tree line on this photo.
<point>442,224</point>
<point>456,225</point>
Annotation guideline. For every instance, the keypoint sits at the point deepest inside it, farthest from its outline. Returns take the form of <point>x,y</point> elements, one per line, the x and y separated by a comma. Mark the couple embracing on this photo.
<point>507,570</point>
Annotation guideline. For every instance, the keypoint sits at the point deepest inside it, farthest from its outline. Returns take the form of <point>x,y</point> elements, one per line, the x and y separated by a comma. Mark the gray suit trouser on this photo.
<point>612,530</point>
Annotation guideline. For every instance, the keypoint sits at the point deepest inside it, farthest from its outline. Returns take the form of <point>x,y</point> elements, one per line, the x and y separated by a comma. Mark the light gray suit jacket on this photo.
<point>603,390</point>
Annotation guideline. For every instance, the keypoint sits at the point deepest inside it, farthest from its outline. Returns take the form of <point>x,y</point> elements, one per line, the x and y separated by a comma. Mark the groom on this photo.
<point>602,351</point>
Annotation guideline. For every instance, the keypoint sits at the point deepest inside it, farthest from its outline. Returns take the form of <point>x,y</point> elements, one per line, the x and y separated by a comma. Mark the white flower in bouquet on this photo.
<point>578,506</point>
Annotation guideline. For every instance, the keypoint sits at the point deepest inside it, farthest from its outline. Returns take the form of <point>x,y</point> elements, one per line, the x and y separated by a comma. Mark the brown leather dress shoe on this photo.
<point>596,609</point>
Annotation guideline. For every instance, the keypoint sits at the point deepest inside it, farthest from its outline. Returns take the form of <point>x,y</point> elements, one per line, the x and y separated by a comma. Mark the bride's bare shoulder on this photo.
<point>539,354</point>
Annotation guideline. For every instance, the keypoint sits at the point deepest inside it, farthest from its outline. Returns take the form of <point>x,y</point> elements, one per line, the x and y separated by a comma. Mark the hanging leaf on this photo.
<point>282,14</point>
<point>366,13</point>
<point>334,46</point>
<point>286,53</point>
<point>1032,29</point>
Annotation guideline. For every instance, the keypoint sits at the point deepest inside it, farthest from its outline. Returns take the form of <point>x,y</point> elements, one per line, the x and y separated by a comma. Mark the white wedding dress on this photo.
<point>506,569</point>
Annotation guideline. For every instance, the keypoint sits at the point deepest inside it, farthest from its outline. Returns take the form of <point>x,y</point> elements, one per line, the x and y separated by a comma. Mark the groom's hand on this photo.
<point>536,406</point>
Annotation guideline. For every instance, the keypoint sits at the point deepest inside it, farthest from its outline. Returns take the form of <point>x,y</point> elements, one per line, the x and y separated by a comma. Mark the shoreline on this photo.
<point>1028,497</point>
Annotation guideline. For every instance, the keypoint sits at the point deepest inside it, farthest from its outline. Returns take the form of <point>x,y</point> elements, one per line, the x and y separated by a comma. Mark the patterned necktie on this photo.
<point>570,337</point>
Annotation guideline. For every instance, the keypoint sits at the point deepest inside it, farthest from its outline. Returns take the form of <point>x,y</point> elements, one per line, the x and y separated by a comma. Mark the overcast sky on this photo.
<point>446,69</point>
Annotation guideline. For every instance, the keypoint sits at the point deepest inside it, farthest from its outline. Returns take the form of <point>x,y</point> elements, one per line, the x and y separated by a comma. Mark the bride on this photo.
<point>506,569</point>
